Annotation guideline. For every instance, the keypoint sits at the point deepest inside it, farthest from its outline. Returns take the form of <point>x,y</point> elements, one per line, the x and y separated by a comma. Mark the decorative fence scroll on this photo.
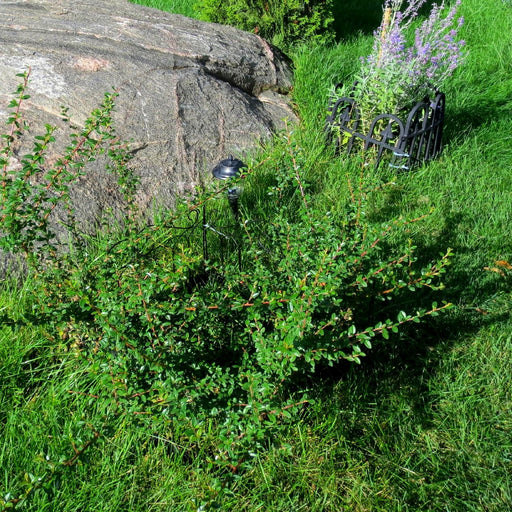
<point>406,145</point>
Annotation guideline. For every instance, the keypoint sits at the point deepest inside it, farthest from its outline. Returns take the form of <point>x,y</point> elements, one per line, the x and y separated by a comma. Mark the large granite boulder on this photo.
<point>191,93</point>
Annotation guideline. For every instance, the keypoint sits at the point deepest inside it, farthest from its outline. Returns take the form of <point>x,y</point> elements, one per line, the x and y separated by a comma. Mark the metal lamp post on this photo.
<point>228,169</point>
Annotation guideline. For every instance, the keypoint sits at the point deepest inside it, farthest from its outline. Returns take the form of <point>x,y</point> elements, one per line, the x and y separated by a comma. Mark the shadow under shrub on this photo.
<point>184,344</point>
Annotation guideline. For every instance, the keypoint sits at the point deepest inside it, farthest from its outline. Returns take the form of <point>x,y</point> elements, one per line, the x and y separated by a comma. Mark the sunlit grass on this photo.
<point>185,7</point>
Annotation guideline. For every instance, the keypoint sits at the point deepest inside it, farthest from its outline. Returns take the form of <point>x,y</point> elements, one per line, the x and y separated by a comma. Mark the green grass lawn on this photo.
<point>423,424</point>
<point>185,7</point>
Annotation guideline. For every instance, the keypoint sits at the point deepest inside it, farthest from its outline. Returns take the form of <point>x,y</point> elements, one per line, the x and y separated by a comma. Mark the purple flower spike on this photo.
<point>396,74</point>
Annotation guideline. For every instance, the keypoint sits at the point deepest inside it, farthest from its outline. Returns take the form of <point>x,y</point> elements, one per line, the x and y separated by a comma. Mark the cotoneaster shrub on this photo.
<point>185,346</point>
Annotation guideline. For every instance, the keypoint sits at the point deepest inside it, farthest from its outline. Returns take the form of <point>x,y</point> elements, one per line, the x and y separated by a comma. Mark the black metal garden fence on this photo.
<point>405,144</point>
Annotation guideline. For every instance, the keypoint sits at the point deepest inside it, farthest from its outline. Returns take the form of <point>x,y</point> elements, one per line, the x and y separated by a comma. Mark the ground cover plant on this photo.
<point>423,423</point>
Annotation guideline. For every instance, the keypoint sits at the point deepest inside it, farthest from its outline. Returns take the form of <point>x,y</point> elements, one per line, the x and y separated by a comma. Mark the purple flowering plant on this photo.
<point>406,66</point>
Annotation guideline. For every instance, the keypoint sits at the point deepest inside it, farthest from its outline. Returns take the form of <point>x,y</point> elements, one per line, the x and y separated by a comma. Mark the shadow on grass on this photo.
<point>461,121</point>
<point>398,372</point>
<point>354,17</point>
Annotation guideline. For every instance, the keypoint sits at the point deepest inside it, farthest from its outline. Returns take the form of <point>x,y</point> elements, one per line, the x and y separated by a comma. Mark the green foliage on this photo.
<point>30,194</point>
<point>173,339</point>
<point>284,23</point>
<point>49,481</point>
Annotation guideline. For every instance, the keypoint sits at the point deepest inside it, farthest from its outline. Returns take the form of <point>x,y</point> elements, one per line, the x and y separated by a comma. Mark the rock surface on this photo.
<point>190,92</point>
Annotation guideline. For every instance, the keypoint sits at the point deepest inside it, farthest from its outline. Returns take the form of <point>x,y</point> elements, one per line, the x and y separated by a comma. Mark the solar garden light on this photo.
<point>226,170</point>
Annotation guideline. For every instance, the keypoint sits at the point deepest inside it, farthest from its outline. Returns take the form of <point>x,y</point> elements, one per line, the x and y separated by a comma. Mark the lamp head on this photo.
<point>228,168</point>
